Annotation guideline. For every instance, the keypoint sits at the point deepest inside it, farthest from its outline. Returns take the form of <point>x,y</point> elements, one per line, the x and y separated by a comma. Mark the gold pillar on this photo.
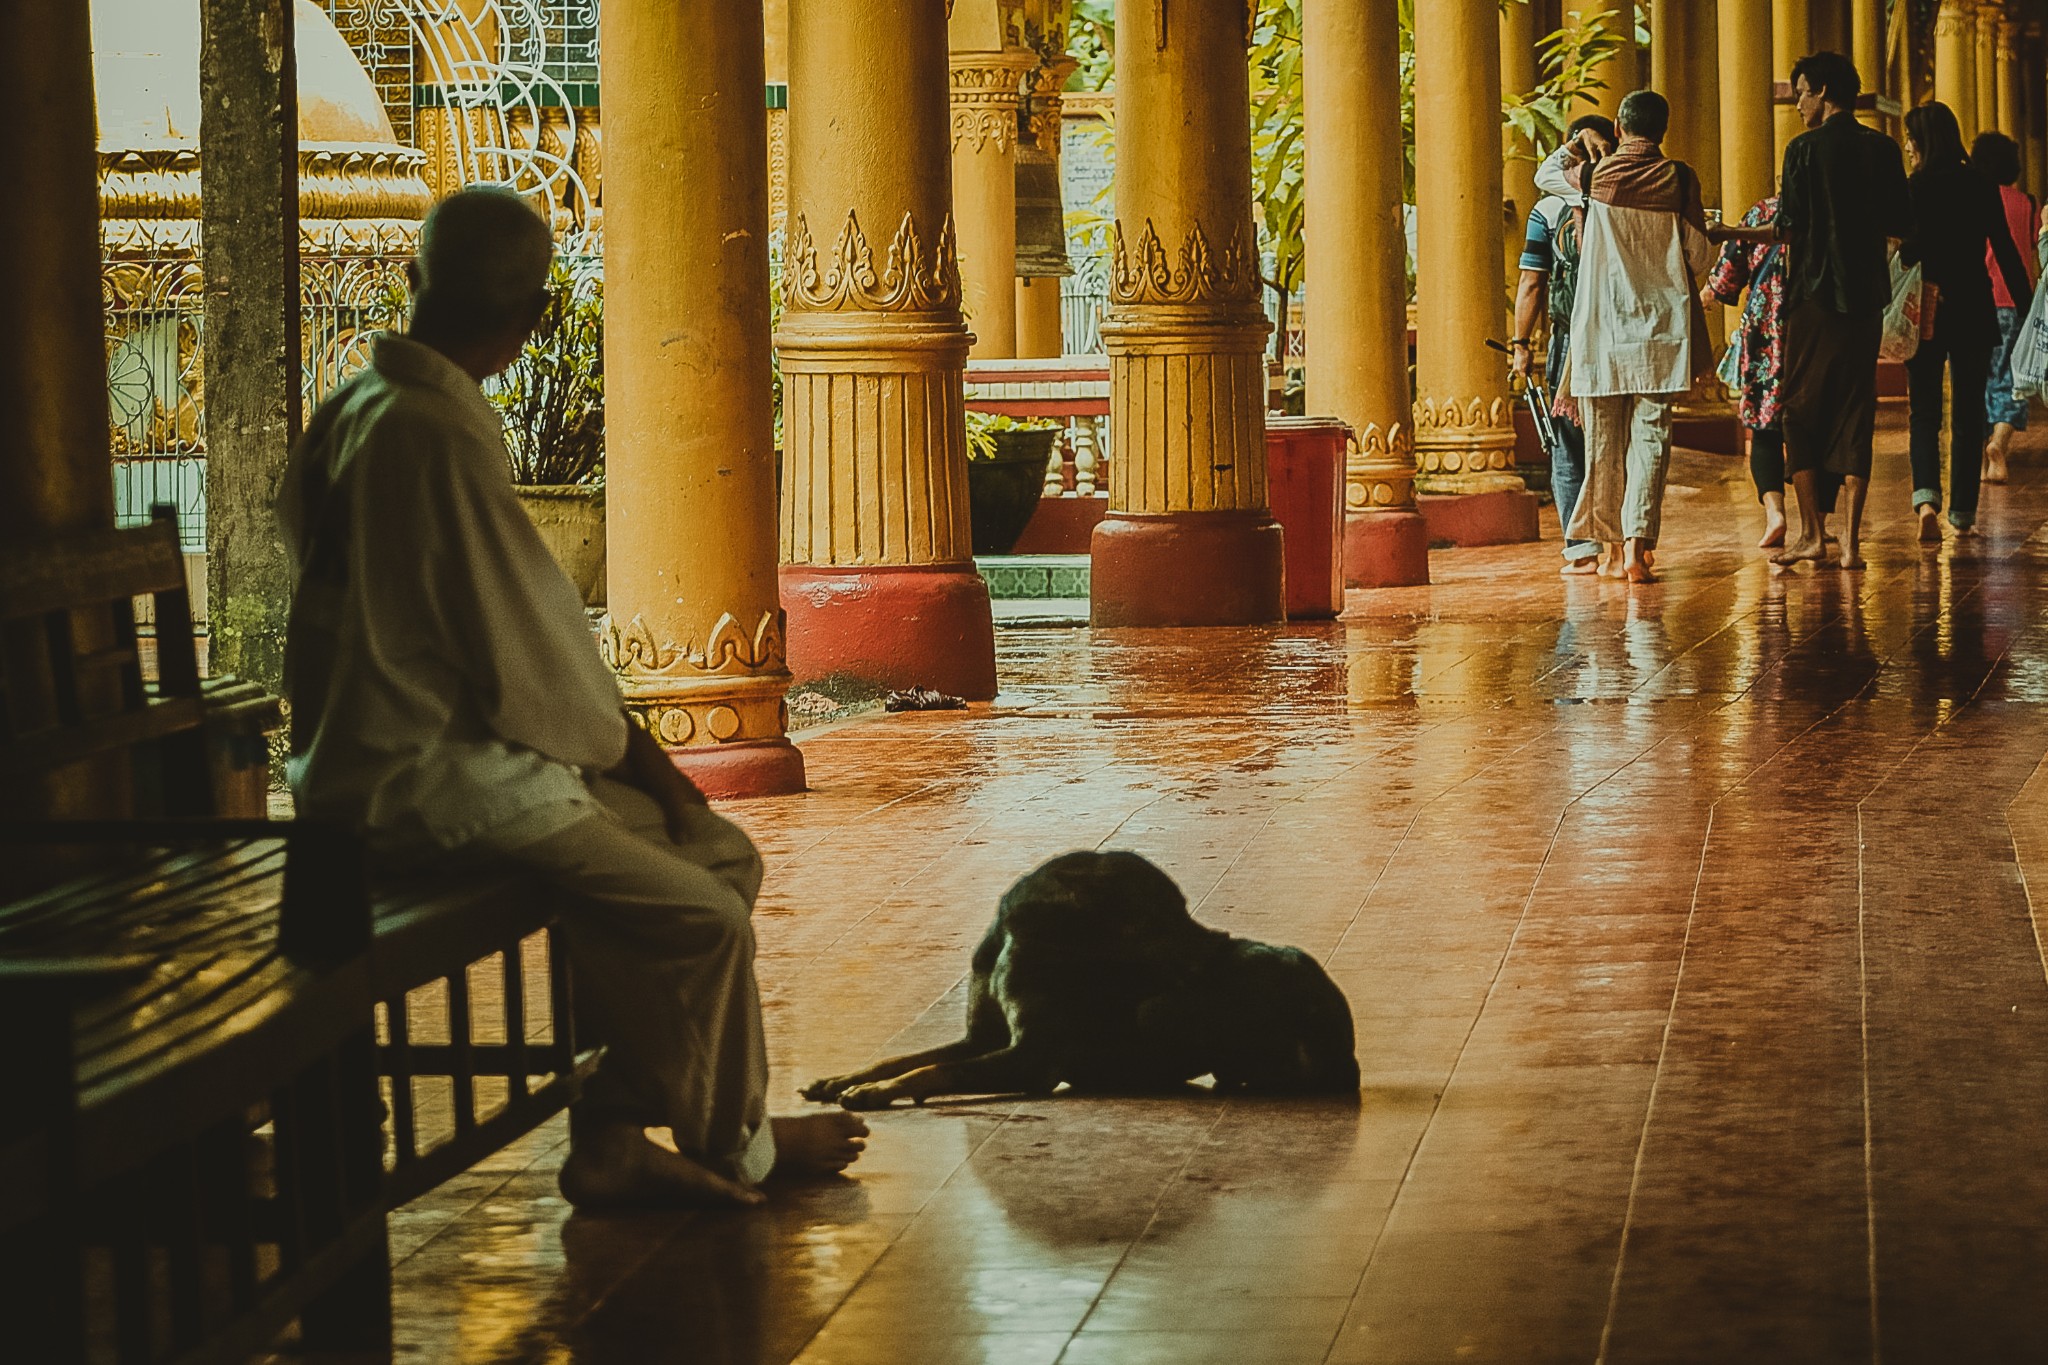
<point>1749,161</point>
<point>987,85</point>
<point>1955,62</point>
<point>1617,74</point>
<point>1188,540</point>
<point>1684,64</point>
<point>53,359</point>
<point>1464,432</point>
<point>1989,17</point>
<point>1791,39</point>
<point>1358,278</point>
<point>694,625</point>
<point>2012,119</point>
<point>878,575</point>
<point>1041,334</point>
<point>2034,103</point>
<point>1867,49</point>
<point>1519,74</point>
<point>775,64</point>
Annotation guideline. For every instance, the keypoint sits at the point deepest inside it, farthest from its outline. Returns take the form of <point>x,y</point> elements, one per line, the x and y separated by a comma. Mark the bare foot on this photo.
<point>1969,531</point>
<point>1774,532</point>
<point>617,1166</point>
<point>1852,559</point>
<point>1578,568</point>
<point>1994,468</point>
<point>1803,550</point>
<point>817,1144</point>
<point>1930,524</point>
<point>1611,564</point>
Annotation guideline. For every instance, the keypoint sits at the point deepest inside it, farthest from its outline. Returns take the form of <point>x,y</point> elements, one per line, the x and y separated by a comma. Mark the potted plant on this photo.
<point>1007,459</point>
<point>552,400</point>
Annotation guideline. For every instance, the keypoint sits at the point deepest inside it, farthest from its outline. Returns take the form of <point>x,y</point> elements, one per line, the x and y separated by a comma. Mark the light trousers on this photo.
<point>1628,455</point>
<point>661,939</point>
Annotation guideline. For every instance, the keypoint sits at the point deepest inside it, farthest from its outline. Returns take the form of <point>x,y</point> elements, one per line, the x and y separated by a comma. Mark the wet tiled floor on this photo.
<point>1700,1003</point>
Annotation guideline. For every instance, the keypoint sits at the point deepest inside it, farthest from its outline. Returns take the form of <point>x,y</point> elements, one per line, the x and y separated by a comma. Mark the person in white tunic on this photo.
<point>448,701</point>
<point>1639,336</point>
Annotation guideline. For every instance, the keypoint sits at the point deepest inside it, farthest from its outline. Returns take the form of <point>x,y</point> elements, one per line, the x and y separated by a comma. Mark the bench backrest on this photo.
<point>71,677</point>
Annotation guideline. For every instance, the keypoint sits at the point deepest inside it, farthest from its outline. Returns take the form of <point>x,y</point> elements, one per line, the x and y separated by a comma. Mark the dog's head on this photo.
<point>1109,902</point>
<point>1285,1026</point>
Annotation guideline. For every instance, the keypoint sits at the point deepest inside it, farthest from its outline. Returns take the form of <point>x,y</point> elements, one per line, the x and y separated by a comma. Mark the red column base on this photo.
<point>728,772</point>
<point>896,626</point>
<point>1187,569</point>
<point>1386,550</point>
<point>1504,517</point>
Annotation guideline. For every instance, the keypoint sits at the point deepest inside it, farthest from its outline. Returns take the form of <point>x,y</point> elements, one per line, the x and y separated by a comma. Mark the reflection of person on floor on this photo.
<point>449,702</point>
<point>1550,266</point>
<point>1841,195</point>
<point>1639,335</point>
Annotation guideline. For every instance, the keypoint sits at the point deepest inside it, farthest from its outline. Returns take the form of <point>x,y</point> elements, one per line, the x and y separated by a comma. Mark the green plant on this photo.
<point>1569,58</point>
<point>1277,122</point>
<point>983,426</point>
<point>552,396</point>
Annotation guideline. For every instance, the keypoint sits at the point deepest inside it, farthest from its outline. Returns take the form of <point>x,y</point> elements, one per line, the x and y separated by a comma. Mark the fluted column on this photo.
<point>1684,62</point>
<point>2012,119</point>
<point>1358,278</point>
<point>878,577</point>
<point>694,625</point>
<point>1464,431</point>
<point>1188,539</point>
<point>1955,62</point>
<point>2034,103</point>
<point>1616,74</point>
<point>987,86</point>
<point>53,360</point>
<point>1989,18</point>
<point>1040,333</point>
<point>1867,49</point>
<point>1749,161</point>
<point>1519,74</point>
<point>1791,39</point>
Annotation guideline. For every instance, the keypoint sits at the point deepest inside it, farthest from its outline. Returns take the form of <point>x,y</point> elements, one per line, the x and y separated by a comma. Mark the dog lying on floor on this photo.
<point>1095,974</point>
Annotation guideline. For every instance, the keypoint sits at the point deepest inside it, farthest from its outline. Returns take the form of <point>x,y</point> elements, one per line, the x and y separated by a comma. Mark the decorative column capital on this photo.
<point>727,689</point>
<point>987,90</point>
<point>910,278</point>
<point>1045,101</point>
<point>1955,19</point>
<point>1379,469</point>
<point>1200,274</point>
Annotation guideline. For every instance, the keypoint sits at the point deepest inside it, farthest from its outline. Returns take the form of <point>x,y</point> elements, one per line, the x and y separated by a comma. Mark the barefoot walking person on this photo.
<point>1550,266</point>
<point>1958,222</point>
<point>448,701</point>
<point>1998,157</point>
<point>1757,359</point>
<point>1842,197</point>
<point>1639,334</point>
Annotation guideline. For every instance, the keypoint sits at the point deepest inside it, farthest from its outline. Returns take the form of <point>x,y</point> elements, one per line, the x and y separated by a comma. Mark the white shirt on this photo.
<point>443,677</point>
<point>1640,260</point>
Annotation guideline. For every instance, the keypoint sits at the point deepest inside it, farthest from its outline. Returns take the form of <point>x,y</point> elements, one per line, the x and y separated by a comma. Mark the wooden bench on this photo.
<point>236,1056</point>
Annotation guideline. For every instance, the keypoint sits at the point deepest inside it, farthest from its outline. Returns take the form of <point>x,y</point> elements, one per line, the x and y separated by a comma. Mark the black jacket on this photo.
<point>1843,192</point>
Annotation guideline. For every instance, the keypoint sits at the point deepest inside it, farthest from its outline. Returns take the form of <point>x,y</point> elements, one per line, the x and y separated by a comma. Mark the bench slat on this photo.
<point>42,750</point>
<point>88,569</point>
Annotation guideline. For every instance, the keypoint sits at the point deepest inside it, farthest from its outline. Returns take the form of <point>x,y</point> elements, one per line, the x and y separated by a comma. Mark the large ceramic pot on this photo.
<point>1002,493</point>
<point>570,519</point>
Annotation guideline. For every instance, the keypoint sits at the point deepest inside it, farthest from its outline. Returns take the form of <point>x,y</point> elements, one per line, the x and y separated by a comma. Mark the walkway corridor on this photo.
<point>1700,1005</point>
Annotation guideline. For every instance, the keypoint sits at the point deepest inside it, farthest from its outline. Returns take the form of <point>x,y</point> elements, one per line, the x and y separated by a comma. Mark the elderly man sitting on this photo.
<point>448,701</point>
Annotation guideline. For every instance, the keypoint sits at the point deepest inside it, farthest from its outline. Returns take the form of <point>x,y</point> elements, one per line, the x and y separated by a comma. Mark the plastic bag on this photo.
<point>2030,351</point>
<point>1901,338</point>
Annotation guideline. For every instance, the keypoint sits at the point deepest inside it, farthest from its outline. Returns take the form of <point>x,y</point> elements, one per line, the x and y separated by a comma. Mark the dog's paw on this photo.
<point>877,1095</point>
<point>825,1090</point>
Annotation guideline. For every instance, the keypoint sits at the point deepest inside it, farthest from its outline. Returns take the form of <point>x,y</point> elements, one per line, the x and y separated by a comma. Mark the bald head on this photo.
<point>482,266</point>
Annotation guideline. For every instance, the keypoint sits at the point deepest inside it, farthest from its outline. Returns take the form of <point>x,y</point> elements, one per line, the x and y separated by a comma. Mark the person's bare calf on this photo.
<point>1855,490</point>
<point>617,1166</point>
<point>811,1145</point>
<point>1635,562</point>
<point>1995,451</point>
<point>1774,522</point>
<point>1811,545</point>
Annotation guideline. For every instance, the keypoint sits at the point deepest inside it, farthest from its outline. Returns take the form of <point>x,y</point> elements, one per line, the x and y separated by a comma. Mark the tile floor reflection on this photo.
<point>1688,932</point>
